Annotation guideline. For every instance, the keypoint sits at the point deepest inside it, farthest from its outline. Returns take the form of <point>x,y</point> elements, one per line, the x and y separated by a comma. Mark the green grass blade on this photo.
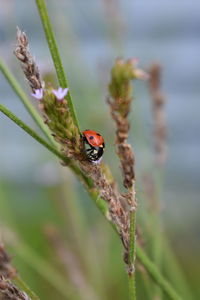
<point>32,111</point>
<point>42,9</point>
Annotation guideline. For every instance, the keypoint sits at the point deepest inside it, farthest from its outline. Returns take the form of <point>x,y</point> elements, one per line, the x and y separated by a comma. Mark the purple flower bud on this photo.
<point>60,93</point>
<point>38,94</point>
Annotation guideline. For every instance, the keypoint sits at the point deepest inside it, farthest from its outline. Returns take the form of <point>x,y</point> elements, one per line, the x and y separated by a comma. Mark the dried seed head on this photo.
<point>120,91</point>
<point>9,291</point>
<point>28,64</point>
<point>120,101</point>
<point>6,268</point>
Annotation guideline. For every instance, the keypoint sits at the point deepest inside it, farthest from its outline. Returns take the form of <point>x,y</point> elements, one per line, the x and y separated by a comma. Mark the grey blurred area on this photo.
<point>91,34</point>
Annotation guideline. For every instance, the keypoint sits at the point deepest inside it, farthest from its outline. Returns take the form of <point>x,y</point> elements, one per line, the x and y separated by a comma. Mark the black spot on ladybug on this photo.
<point>98,134</point>
<point>91,137</point>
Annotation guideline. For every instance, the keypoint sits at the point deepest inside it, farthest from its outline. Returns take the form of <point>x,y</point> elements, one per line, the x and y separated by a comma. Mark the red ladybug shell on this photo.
<point>94,138</point>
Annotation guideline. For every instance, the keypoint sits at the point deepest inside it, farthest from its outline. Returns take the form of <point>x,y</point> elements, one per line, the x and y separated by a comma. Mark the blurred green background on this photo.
<point>36,193</point>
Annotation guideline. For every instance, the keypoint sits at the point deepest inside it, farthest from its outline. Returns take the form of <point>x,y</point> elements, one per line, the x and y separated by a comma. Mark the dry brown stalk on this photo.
<point>120,107</point>
<point>6,269</point>
<point>120,103</point>
<point>28,64</point>
<point>158,101</point>
<point>124,150</point>
<point>126,156</point>
<point>8,291</point>
<point>110,194</point>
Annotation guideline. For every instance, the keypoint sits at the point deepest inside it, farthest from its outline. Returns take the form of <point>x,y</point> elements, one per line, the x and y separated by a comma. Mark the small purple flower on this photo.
<point>60,93</point>
<point>140,74</point>
<point>38,94</point>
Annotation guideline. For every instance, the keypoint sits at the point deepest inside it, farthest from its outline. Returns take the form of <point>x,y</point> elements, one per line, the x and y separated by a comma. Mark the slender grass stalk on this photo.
<point>42,267</point>
<point>42,9</point>
<point>23,286</point>
<point>37,118</point>
<point>170,263</point>
<point>131,274</point>
<point>32,133</point>
<point>5,209</point>
<point>157,237</point>
<point>32,111</point>
<point>31,258</point>
<point>149,266</point>
<point>156,276</point>
<point>147,291</point>
<point>158,250</point>
<point>88,183</point>
<point>173,271</point>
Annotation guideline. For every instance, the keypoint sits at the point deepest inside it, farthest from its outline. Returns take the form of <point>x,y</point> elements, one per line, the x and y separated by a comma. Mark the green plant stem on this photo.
<point>131,273</point>
<point>37,118</point>
<point>7,215</point>
<point>32,111</point>
<point>42,9</point>
<point>23,286</point>
<point>157,241</point>
<point>149,266</point>
<point>28,255</point>
<point>173,271</point>
<point>157,276</point>
<point>147,291</point>
<point>32,133</point>
<point>157,237</point>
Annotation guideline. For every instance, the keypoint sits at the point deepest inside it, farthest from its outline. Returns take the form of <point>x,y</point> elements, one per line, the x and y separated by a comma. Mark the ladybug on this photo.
<point>94,145</point>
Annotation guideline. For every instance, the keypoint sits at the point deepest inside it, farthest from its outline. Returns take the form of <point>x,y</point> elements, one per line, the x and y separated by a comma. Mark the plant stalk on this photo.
<point>44,269</point>
<point>32,133</point>
<point>146,262</point>
<point>23,286</point>
<point>157,276</point>
<point>46,23</point>
<point>132,255</point>
<point>32,111</point>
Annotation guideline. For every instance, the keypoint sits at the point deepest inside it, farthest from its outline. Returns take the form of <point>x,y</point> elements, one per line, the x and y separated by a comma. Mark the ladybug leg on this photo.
<point>90,153</point>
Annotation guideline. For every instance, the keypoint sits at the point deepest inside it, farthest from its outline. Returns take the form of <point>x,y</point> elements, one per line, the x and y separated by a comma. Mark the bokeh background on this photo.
<point>36,193</point>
